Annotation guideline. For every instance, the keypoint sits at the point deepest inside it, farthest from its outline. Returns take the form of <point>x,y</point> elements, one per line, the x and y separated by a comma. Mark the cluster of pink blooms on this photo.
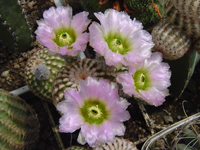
<point>96,108</point>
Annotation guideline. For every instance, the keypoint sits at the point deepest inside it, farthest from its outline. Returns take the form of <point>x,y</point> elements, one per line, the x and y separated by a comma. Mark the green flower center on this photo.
<point>64,37</point>
<point>117,43</point>
<point>94,111</point>
<point>141,80</point>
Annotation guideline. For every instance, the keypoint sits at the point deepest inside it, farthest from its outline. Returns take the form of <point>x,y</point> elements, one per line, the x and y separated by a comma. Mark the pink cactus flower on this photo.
<point>119,38</point>
<point>61,33</point>
<point>148,81</point>
<point>96,109</point>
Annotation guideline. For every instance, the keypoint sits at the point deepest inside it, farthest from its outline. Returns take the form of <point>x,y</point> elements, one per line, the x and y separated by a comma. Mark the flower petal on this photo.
<point>156,75</point>
<point>58,22</point>
<point>70,122</point>
<point>80,22</point>
<point>106,132</point>
<point>90,133</point>
<point>73,96</point>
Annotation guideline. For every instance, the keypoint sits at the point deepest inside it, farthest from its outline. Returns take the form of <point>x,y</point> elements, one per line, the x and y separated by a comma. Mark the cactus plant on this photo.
<point>119,143</point>
<point>76,148</point>
<point>179,14</point>
<point>69,76</point>
<point>170,41</point>
<point>40,72</point>
<point>15,32</point>
<point>19,125</point>
<point>146,11</point>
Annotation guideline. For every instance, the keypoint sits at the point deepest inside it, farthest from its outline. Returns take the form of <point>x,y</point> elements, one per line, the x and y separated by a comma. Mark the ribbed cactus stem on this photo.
<point>19,125</point>
<point>169,40</point>
<point>40,71</point>
<point>184,15</point>
<point>69,76</point>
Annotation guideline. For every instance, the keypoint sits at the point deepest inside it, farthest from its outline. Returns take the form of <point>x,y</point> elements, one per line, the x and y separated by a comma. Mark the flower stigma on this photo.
<point>94,111</point>
<point>65,37</point>
<point>141,80</point>
<point>117,44</point>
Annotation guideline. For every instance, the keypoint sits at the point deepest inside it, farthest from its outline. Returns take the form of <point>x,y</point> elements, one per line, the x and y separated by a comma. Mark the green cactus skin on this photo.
<point>69,76</point>
<point>93,5</point>
<point>19,125</point>
<point>42,85</point>
<point>76,148</point>
<point>144,11</point>
<point>15,32</point>
<point>170,41</point>
<point>182,18</point>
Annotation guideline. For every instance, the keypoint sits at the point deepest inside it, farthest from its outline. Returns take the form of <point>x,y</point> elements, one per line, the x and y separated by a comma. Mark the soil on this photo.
<point>137,131</point>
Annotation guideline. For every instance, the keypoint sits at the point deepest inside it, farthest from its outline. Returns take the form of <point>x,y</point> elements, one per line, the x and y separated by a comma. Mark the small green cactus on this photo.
<point>40,72</point>
<point>149,12</point>
<point>15,32</point>
<point>19,125</point>
<point>76,148</point>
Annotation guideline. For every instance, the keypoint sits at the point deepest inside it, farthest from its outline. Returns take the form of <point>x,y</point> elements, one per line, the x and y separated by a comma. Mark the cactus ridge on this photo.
<point>75,148</point>
<point>12,101</point>
<point>14,34</point>
<point>185,22</point>
<point>69,76</point>
<point>19,113</point>
<point>4,146</point>
<point>170,41</point>
<point>19,125</point>
<point>118,143</point>
<point>189,8</point>
<point>43,87</point>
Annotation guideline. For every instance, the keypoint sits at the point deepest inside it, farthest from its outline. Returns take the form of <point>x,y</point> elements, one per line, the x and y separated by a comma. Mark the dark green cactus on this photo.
<point>40,72</point>
<point>69,76</point>
<point>142,10</point>
<point>76,148</point>
<point>95,6</point>
<point>15,32</point>
<point>148,12</point>
<point>19,125</point>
